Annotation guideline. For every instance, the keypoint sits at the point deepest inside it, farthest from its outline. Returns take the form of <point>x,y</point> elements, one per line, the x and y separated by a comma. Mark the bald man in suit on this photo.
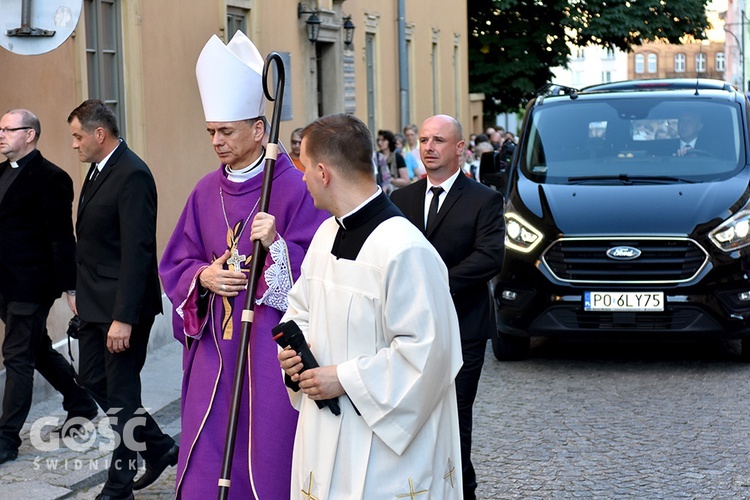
<point>463,220</point>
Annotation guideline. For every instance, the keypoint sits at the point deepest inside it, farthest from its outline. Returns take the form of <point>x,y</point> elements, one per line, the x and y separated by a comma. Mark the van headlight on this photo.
<point>520,235</point>
<point>733,233</point>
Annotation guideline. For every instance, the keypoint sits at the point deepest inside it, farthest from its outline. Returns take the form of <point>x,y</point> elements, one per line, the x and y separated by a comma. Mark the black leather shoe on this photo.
<point>154,470</point>
<point>6,455</point>
<point>129,496</point>
<point>77,427</point>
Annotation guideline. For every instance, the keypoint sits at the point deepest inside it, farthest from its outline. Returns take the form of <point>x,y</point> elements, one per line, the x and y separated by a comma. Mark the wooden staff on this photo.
<point>256,267</point>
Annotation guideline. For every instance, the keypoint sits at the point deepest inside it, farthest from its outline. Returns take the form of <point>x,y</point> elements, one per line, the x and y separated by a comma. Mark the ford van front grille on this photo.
<point>659,260</point>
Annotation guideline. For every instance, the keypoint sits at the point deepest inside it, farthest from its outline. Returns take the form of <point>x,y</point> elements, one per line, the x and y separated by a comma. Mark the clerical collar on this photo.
<point>243,174</point>
<point>361,205</point>
<point>445,185</point>
<point>23,161</point>
<point>360,224</point>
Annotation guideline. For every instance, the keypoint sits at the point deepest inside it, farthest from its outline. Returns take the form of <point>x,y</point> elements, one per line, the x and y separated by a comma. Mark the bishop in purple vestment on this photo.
<point>265,432</point>
<point>204,273</point>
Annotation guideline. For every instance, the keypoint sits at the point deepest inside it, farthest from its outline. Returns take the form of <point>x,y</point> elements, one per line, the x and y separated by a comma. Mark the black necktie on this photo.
<point>90,182</point>
<point>432,212</point>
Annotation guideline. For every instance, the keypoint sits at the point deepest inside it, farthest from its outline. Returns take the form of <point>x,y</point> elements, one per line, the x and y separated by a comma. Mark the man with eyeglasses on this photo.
<point>37,264</point>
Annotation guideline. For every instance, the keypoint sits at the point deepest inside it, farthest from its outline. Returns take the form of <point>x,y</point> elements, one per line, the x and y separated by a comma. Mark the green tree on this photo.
<point>513,44</point>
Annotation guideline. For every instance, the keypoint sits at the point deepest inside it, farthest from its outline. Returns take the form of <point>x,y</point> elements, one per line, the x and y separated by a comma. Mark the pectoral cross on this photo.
<point>236,260</point>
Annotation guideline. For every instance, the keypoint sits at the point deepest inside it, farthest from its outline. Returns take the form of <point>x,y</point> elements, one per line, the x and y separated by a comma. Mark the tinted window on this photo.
<point>633,137</point>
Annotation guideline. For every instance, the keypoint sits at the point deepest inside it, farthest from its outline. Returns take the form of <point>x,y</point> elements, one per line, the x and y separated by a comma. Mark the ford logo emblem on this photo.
<point>623,253</point>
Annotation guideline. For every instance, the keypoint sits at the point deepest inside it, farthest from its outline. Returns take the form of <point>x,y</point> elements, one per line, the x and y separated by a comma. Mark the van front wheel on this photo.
<point>510,347</point>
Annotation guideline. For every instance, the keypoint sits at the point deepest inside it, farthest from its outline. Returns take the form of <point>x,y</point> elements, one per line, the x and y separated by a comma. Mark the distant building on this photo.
<point>734,25</point>
<point>690,59</point>
<point>591,65</point>
<point>719,56</point>
<point>694,59</point>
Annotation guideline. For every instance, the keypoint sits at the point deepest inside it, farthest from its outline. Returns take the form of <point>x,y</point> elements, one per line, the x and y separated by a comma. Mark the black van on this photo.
<point>627,212</point>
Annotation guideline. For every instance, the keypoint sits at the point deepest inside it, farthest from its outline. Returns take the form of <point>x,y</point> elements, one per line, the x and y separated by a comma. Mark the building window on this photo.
<point>700,62</point>
<point>609,53</point>
<point>639,60</point>
<point>236,21</point>
<point>606,76</point>
<point>652,63</point>
<point>104,55</point>
<point>679,63</point>
<point>580,54</point>
<point>720,61</point>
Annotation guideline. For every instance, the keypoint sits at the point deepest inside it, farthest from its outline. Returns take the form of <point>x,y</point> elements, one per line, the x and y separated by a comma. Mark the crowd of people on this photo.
<point>499,142</point>
<point>343,228</point>
<point>397,160</point>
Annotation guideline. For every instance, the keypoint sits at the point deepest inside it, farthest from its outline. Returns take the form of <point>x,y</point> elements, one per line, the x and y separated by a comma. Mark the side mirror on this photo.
<point>493,171</point>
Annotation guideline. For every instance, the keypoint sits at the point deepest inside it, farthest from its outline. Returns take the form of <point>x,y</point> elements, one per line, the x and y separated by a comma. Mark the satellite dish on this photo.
<point>31,27</point>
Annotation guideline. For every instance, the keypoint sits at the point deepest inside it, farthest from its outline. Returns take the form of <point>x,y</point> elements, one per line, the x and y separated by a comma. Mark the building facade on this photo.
<point>735,26</point>
<point>592,65</point>
<point>406,61</point>
<point>692,58</point>
<point>720,56</point>
<point>698,59</point>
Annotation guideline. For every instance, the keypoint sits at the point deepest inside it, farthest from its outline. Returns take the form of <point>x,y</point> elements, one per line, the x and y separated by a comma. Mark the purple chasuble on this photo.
<point>261,466</point>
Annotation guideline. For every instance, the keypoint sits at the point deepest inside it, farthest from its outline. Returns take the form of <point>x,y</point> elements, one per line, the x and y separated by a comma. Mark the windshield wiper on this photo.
<point>628,179</point>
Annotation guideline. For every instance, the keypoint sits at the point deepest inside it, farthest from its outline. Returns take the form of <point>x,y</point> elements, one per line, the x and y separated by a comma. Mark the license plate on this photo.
<point>623,301</point>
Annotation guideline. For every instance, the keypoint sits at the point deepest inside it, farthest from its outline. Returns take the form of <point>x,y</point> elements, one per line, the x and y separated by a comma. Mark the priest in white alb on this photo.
<point>374,304</point>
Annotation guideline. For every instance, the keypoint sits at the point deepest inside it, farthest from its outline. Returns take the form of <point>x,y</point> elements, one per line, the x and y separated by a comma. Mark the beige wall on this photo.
<point>449,21</point>
<point>177,146</point>
<point>165,123</point>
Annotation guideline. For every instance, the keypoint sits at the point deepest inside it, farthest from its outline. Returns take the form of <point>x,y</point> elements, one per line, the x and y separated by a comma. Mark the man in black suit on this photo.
<point>118,293</point>
<point>463,220</point>
<point>37,263</point>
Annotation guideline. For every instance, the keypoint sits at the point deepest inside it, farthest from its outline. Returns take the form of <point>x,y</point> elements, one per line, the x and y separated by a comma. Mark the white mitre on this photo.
<point>230,79</point>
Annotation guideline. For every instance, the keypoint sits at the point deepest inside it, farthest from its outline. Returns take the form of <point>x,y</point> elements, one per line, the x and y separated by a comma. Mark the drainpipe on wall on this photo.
<point>403,70</point>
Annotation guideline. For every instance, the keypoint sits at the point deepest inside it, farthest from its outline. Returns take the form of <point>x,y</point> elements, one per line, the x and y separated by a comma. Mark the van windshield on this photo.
<point>608,141</point>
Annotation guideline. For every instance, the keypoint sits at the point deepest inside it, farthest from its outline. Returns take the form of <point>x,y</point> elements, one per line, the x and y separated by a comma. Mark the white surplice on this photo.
<point>387,321</point>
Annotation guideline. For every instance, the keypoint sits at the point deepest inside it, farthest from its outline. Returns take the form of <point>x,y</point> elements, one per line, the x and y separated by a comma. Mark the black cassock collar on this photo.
<point>357,227</point>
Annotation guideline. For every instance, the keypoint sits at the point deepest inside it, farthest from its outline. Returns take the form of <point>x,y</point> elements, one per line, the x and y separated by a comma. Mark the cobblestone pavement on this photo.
<point>614,420</point>
<point>592,420</point>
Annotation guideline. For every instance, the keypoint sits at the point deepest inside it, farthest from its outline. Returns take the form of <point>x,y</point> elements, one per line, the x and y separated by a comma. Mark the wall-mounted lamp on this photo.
<point>313,22</point>
<point>348,30</point>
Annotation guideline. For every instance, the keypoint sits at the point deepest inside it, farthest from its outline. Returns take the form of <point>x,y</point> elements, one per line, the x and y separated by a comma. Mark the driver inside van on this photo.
<point>689,126</point>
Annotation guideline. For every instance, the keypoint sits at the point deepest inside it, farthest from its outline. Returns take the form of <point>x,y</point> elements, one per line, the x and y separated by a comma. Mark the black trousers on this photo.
<point>115,382</point>
<point>467,382</point>
<point>27,346</point>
